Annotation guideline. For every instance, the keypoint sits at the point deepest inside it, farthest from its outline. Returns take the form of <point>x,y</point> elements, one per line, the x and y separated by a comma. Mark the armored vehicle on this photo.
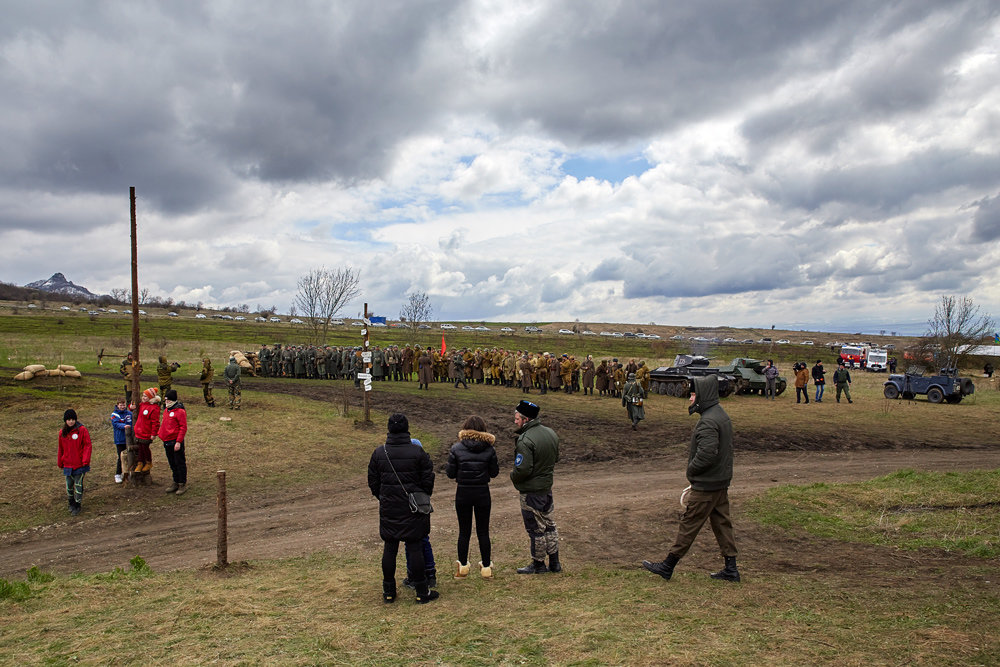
<point>749,375</point>
<point>944,387</point>
<point>678,379</point>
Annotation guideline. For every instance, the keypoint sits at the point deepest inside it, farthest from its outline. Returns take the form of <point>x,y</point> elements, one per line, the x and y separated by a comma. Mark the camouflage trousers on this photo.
<point>234,396</point>
<point>536,511</point>
<point>206,390</point>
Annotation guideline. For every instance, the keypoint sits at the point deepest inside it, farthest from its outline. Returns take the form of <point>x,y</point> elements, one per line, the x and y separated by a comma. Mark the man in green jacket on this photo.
<point>535,455</point>
<point>842,378</point>
<point>709,470</point>
<point>232,376</point>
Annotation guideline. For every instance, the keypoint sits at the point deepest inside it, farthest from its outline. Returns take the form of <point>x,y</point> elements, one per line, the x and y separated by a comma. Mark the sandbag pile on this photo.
<point>242,360</point>
<point>32,371</point>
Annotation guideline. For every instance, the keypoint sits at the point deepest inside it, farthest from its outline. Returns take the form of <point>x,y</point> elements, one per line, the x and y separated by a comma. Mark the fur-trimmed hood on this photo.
<point>476,441</point>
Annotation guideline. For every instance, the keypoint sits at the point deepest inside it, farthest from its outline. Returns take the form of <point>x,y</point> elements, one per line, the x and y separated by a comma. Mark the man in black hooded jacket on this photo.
<point>709,470</point>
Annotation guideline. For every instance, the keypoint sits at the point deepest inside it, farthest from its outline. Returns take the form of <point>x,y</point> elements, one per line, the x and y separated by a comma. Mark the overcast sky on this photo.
<point>803,164</point>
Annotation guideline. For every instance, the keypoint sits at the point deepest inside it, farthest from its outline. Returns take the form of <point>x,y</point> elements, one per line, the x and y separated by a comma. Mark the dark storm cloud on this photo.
<point>886,187</point>
<point>986,221</point>
<point>609,72</point>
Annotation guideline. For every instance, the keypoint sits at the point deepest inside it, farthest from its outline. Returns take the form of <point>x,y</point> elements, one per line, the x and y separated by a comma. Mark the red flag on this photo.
<point>443,345</point>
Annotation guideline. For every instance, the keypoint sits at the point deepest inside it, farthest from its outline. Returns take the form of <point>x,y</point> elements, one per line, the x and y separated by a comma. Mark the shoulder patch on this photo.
<point>518,459</point>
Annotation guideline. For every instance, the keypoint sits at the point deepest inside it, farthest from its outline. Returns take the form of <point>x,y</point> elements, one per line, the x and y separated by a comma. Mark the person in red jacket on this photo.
<point>74,458</point>
<point>147,424</point>
<point>172,432</point>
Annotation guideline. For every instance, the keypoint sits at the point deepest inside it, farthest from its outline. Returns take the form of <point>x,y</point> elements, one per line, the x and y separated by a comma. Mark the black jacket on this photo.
<point>414,469</point>
<point>473,459</point>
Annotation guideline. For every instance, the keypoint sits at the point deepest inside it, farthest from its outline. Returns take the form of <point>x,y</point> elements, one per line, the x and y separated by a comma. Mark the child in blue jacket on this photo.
<point>121,421</point>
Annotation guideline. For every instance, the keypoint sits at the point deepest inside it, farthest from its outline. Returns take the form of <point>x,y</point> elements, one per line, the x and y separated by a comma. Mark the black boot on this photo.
<point>554,565</point>
<point>665,569</point>
<point>388,591</point>
<point>424,594</point>
<point>432,579</point>
<point>534,567</point>
<point>72,505</point>
<point>729,572</point>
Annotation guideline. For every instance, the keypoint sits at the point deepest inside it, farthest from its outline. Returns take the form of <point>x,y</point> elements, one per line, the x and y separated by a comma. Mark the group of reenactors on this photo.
<point>496,366</point>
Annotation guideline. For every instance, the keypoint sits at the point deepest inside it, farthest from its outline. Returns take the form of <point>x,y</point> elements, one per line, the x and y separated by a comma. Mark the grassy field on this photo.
<point>325,609</point>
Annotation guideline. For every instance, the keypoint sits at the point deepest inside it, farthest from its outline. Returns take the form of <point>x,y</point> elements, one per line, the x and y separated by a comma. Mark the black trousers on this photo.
<point>414,560</point>
<point>469,502</point>
<point>177,461</point>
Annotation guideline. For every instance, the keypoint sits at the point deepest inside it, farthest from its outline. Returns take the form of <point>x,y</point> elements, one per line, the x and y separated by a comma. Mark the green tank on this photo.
<point>749,374</point>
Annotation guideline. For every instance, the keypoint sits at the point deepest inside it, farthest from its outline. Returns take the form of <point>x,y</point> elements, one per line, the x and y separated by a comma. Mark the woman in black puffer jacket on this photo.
<point>398,464</point>
<point>472,463</point>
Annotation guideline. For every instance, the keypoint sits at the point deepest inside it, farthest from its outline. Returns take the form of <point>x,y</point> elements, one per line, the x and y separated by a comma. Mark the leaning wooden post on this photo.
<point>222,550</point>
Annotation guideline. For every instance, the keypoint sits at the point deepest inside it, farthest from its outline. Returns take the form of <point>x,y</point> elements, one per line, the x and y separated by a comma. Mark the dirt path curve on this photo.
<point>609,512</point>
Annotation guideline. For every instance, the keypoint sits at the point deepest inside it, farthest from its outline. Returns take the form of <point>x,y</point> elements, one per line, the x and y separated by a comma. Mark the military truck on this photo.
<point>749,376</point>
<point>944,387</point>
<point>677,380</point>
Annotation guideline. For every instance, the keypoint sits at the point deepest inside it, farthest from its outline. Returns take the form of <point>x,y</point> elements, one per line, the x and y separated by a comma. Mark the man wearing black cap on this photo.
<point>536,452</point>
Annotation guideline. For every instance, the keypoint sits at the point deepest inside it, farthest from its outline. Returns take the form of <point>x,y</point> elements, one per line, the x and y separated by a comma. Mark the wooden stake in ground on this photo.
<point>222,548</point>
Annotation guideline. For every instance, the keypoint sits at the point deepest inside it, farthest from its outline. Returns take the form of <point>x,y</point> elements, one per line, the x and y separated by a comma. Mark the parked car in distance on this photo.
<point>566,331</point>
<point>127,312</point>
<point>587,333</point>
<point>448,326</point>
<point>606,333</point>
<point>142,312</point>
<point>379,324</point>
<point>260,319</point>
<point>240,318</point>
<point>64,308</point>
<point>92,312</point>
<point>531,329</point>
<point>111,310</point>
<point>677,337</point>
<point>357,323</point>
<point>295,320</point>
<point>337,322</point>
<point>807,342</point>
<point>274,319</point>
<point>652,337</point>
<point>506,330</point>
<point>466,328</point>
<point>617,334</point>
<point>629,334</point>
<point>201,316</point>
<point>482,328</point>
<point>424,326</point>
<point>783,341</point>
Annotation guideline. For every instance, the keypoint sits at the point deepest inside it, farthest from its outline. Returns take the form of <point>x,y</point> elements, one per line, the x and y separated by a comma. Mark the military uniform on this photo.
<point>207,373</point>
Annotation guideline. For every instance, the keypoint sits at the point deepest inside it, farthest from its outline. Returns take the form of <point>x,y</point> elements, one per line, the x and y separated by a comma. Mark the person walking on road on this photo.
<point>709,471</point>
<point>536,453</point>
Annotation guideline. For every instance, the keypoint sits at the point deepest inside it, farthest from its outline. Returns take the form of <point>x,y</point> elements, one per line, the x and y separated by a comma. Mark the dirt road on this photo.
<point>614,512</point>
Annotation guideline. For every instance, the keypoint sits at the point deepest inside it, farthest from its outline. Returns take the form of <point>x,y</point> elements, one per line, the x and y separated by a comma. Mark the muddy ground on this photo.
<point>617,503</point>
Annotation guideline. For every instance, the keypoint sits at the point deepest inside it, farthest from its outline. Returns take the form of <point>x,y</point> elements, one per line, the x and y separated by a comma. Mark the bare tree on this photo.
<point>120,295</point>
<point>956,329</point>
<point>143,296</point>
<point>322,294</point>
<point>416,310</point>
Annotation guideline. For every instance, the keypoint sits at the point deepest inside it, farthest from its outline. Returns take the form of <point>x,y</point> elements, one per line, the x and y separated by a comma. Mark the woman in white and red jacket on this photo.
<point>172,432</point>
<point>74,458</point>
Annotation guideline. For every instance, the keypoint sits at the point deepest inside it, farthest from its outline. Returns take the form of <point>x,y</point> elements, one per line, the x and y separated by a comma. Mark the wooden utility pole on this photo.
<point>135,307</point>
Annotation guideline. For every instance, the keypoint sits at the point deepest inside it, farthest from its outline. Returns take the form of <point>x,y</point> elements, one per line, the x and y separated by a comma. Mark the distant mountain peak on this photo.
<point>58,284</point>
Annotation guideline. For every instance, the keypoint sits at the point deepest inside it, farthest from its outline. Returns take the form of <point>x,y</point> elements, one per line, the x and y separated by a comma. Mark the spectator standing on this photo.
<point>801,382</point>
<point>172,432</point>
<point>73,457</point>
<point>147,424</point>
<point>536,452</point>
<point>207,374</point>
<point>819,379</point>
<point>771,377</point>
<point>121,422</point>
<point>129,370</point>
<point>395,469</point>
<point>472,463</point>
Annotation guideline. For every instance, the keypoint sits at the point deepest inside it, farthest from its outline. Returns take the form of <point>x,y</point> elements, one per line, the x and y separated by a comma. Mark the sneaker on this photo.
<point>118,479</point>
<point>181,489</point>
<point>170,489</point>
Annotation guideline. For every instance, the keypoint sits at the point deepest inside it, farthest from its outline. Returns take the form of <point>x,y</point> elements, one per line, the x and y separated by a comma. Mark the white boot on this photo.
<point>486,570</point>
<point>461,571</point>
